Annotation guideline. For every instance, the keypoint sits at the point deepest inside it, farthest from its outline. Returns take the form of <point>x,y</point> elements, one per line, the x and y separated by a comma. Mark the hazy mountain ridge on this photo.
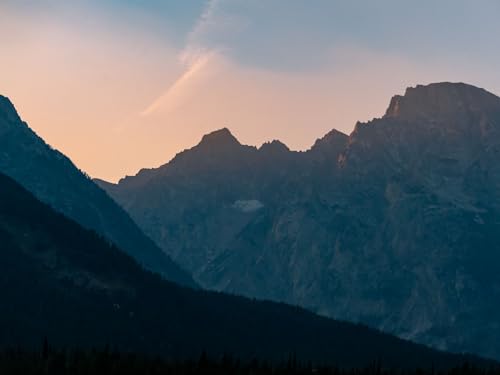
<point>54,179</point>
<point>395,226</point>
<point>66,283</point>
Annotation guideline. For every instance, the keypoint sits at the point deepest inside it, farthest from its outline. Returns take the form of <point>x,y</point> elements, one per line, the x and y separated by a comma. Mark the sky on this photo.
<point>118,85</point>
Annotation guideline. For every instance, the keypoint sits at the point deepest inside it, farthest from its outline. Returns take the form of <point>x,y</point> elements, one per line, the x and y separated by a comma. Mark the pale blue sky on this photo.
<point>290,34</point>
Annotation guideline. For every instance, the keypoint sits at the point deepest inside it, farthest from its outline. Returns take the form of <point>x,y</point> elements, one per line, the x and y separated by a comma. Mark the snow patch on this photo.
<point>248,205</point>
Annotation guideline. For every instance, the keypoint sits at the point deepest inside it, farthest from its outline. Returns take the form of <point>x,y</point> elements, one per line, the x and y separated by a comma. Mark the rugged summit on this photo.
<point>330,146</point>
<point>395,226</point>
<point>274,147</point>
<point>54,179</point>
<point>219,140</point>
<point>440,101</point>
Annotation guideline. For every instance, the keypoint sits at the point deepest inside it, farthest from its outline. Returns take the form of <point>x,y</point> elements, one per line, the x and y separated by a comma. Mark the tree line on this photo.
<point>49,361</point>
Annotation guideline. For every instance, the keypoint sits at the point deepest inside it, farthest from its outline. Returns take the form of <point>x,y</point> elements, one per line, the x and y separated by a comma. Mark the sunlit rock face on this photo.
<point>396,226</point>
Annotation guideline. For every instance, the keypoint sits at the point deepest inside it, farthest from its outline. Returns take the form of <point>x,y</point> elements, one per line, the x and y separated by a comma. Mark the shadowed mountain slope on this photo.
<point>66,283</point>
<point>54,179</point>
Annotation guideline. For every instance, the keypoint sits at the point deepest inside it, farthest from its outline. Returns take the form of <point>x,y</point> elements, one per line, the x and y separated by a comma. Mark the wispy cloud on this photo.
<point>205,21</point>
<point>172,98</point>
<point>194,58</point>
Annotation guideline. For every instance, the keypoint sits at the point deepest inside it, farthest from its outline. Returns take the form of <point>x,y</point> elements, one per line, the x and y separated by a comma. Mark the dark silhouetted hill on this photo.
<point>54,179</point>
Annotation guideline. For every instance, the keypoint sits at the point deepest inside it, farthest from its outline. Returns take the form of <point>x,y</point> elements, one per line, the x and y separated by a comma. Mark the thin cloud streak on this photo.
<point>194,57</point>
<point>170,99</point>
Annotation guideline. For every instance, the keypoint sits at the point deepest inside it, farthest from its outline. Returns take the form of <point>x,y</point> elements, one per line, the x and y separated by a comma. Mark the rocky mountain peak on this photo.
<point>440,100</point>
<point>333,142</point>
<point>274,147</point>
<point>219,139</point>
<point>332,137</point>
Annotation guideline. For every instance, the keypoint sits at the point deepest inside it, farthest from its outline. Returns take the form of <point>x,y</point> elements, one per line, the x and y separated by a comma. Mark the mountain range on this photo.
<point>55,180</point>
<point>396,225</point>
<point>74,288</point>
